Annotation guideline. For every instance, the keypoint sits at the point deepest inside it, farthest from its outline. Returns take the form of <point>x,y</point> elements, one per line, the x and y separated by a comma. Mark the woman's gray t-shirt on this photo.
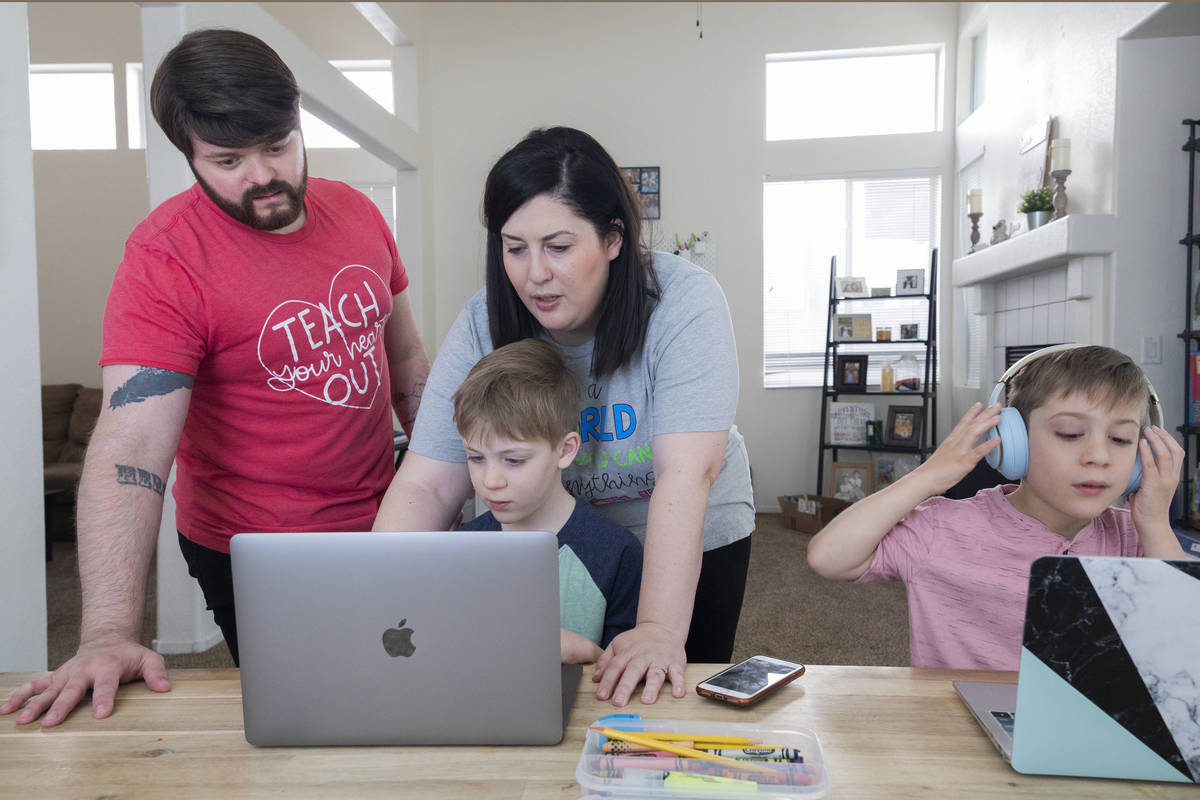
<point>684,380</point>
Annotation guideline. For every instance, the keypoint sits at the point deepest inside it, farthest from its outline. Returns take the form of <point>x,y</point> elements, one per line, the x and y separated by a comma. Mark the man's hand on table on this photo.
<point>100,667</point>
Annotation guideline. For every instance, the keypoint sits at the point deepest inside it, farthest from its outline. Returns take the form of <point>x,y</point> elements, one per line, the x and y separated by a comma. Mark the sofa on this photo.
<point>69,413</point>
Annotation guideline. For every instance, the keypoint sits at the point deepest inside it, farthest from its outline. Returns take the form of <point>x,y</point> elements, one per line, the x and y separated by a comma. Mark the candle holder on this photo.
<point>974,229</point>
<point>1060,193</point>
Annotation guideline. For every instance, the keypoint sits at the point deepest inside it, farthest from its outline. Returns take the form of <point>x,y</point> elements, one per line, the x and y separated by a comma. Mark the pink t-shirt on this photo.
<point>965,564</point>
<point>290,425</point>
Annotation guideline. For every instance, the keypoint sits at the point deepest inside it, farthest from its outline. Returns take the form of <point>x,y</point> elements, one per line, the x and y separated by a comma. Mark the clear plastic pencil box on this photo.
<point>627,775</point>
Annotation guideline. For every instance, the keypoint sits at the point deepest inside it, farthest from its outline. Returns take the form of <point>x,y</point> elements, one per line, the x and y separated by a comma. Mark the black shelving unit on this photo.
<point>928,392</point>
<point>1191,338</point>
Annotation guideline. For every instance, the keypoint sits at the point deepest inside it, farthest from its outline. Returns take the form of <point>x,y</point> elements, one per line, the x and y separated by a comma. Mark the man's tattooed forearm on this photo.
<point>149,382</point>
<point>135,476</point>
<point>417,390</point>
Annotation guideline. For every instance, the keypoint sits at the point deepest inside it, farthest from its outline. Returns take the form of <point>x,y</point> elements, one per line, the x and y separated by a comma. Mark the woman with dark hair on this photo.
<point>650,338</point>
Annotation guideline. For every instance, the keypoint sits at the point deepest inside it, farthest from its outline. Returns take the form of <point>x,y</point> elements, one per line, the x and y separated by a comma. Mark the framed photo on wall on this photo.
<point>910,281</point>
<point>645,184</point>
<point>851,480</point>
<point>850,373</point>
<point>903,427</point>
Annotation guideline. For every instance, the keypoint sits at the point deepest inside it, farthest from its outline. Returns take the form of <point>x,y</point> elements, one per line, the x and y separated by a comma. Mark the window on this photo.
<point>978,70</point>
<point>383,195</point>
<point>866,93</point>
<point>372,76</point>
<point>135,106</point>
<point>873,227</point>
<point>72,107</point>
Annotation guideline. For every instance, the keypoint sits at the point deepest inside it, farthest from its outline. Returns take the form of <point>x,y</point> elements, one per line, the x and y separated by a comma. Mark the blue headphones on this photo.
<point>1011,458</point>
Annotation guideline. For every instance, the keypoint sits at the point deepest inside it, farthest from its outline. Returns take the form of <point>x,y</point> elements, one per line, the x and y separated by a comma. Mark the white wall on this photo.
<point>23,589</point>
<point>638,78</point>
<point>1045,60</point>
<point>1156,89</point>
<point>87,201</point>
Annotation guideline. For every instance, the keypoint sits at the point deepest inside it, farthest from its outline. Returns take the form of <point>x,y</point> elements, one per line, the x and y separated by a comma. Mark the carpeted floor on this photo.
<point>788,612</point>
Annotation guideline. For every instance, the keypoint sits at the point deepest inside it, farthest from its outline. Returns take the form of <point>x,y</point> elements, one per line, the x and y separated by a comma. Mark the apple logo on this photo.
<point>398,641</point>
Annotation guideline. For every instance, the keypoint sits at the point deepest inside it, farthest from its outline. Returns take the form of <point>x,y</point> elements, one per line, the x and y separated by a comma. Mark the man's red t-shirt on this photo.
<point>290,426</point>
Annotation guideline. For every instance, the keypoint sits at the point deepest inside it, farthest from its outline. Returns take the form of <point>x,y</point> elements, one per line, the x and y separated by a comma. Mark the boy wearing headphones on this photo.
<point>966,563</point>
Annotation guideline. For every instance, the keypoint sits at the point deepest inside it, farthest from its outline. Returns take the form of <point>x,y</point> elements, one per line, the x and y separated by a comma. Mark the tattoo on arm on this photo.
<point>135,476</point>
<point>149,382</point>
<point>406,404</point>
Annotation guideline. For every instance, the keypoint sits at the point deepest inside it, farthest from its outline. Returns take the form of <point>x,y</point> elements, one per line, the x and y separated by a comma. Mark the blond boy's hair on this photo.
<point>1102,374</point>
<point>522,391</point>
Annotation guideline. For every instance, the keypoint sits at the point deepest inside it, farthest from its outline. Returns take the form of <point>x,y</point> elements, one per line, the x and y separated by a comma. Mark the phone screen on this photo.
<point>752,675</point>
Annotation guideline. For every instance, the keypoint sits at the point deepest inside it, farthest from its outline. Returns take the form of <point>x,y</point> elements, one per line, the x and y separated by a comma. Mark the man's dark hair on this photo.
<point>226,87</point>
<point>571,166</point>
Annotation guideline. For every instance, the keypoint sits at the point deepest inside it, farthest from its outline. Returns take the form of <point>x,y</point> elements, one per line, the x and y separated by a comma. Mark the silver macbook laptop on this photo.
<point>1109,681</point>
<point>400,638</point>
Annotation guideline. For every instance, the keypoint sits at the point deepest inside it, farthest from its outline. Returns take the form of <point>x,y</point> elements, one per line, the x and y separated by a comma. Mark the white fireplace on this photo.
<point>1047,286</point>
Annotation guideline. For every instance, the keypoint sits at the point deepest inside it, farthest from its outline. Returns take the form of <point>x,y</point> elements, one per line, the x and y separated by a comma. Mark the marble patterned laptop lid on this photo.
<point>1109,680</point>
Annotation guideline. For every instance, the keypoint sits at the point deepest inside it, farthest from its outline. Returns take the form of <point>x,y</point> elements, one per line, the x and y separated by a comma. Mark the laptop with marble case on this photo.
<point>1109,681</point>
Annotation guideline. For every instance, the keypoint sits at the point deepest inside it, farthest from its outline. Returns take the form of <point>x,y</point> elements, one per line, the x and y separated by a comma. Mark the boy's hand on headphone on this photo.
<point>1162,458</point>
<point>962,449</point>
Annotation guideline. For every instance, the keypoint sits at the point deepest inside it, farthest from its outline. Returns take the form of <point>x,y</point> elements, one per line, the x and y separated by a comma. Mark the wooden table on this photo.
<point>888,732</point>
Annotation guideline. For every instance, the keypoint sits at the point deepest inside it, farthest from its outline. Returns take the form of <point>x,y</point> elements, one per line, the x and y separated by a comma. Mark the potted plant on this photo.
<point>1037,205</point>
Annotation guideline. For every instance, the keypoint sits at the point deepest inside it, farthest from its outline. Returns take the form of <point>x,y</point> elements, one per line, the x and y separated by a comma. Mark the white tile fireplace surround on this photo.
<point>1046,286</point>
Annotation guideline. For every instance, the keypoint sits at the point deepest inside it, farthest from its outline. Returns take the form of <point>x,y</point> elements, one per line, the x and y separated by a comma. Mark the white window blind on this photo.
<point>873,227</point>
<point>383,195</point>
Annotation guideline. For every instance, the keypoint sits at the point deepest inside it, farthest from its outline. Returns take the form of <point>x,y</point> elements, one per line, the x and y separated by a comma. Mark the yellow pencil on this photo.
<point>687,752</point>
<point>697,738</point>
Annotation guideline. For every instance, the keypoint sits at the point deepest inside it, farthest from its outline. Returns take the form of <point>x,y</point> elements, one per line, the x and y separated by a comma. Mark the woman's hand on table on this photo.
<point>650,651</point>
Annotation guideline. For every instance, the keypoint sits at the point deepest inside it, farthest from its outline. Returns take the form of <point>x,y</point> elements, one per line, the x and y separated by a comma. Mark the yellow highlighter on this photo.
<point>693,785</point>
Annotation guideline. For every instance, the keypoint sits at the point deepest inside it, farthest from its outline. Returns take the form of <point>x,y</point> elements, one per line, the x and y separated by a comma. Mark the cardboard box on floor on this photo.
<point>809,513</point>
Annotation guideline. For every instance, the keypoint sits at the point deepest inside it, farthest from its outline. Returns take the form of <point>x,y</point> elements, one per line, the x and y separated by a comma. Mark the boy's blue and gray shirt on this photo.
<point>599,573</point>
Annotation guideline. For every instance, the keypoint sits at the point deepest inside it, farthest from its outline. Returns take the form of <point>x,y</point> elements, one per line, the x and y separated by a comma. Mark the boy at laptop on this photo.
<point>966,563</point>
<point>518,414</point>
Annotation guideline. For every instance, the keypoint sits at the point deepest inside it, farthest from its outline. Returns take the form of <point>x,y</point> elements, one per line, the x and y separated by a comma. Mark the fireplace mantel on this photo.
<point>1055,243</point>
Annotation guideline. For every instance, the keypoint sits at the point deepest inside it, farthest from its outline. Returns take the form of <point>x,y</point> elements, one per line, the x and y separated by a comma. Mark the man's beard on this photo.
<point>247,214</point>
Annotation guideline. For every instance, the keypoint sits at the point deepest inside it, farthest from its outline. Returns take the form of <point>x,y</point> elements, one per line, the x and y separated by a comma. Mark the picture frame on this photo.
<point>852,327</point>
<point>910,330</point>
<point>847,423</point>
<point>850,287</point>
<point>891,467</point>
<point>910,281</point>
<point>644,181</point>
<point>851,480</point>
<point>904,426</point>
<point>850,372</point>
<point>881,291</point>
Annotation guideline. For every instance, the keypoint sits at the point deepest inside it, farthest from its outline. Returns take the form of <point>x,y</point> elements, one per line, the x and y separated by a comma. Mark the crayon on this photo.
<point>737,741</point>
<point>758,753</point>
<point>617,748</point>
<point>794,756</point>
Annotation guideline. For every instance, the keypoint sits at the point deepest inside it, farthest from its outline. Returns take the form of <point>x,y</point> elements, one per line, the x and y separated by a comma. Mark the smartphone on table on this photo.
<point>749,681</point>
